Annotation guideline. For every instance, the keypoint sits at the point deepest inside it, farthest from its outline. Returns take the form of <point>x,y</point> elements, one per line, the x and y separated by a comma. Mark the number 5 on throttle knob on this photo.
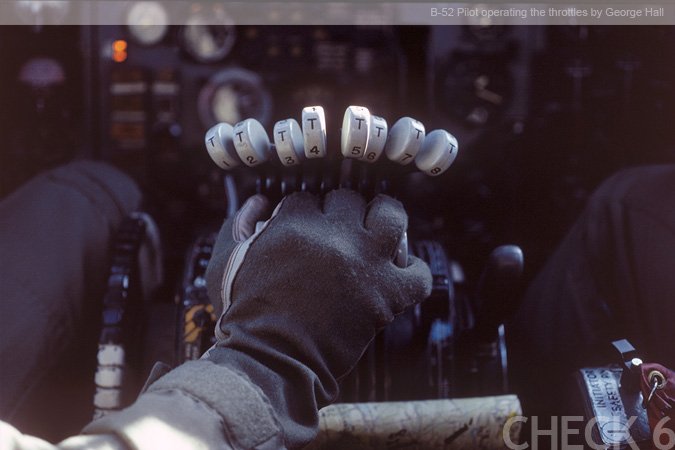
<point>355,132</point>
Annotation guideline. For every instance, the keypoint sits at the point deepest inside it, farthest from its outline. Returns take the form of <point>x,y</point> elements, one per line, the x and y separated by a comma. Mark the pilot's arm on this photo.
<point>303,296</point>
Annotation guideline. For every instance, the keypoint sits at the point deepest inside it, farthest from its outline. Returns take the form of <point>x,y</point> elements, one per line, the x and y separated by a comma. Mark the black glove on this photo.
<point>308,292</point>
<point>234,231</point>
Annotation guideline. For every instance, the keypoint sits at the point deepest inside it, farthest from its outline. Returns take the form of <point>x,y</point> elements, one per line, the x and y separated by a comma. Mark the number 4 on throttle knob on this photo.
<point>314,131</point>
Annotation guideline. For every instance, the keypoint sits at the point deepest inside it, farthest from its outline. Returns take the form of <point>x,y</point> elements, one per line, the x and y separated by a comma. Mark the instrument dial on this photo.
<point>208,35</point>
<point>233,95</point>
<point>38,13</point>
<point>148,22</point>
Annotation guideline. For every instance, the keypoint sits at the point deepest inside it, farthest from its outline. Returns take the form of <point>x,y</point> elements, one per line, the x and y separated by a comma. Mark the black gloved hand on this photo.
<point>234,231</point>
<point>308,292</point>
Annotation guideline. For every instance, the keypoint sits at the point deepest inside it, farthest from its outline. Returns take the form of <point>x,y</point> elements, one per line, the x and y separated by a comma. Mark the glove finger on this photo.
<point>299,204</point>
<point>414,285</point>
<point>216,269</point>
<point>345,204</point>
<point>234,230</point>
<point>256,209</point>
<point>295,207</point>
<point>386,220</point>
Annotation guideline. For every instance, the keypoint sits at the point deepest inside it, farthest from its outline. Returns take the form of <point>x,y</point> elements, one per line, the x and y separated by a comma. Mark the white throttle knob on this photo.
<point>401,257</point>
<point>376,140</point>
<point>314,131</point>
<point>405,140</point>
<point>251,142</point>
<point>289,142</point>
<point>220,146</point>
<point>355,132</point>
<point>437,153</point>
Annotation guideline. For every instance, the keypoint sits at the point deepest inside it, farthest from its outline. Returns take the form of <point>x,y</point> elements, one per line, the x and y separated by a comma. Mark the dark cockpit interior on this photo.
<point>542,115</point>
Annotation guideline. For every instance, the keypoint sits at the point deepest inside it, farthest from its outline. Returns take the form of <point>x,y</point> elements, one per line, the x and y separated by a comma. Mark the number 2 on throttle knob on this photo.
<point>251,142</point>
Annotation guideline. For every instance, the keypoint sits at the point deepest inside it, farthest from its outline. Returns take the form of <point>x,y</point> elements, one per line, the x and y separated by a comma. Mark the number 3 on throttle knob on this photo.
<point>289,142</point>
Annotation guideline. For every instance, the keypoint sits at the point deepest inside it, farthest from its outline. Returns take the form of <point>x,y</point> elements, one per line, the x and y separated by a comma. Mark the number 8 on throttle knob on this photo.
<point>437,153</point>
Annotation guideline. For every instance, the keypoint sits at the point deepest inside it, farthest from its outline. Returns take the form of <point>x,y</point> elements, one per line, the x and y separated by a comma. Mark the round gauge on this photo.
<point>233,95</point>
<point>148,22</point>
<point>208,38</point>
<point>42,13</point>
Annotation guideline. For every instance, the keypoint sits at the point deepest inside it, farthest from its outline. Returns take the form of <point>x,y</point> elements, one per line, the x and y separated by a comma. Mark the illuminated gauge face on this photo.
<point>148,22</point>
<point>225,104</point>
<point>233,95</point>
<point>205,41</point>
<point>40,12</point>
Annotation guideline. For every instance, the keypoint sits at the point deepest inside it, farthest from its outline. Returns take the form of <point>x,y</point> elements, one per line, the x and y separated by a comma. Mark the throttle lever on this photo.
<point>314,138</point>
<point>498,290</point>
<point>401,257</point>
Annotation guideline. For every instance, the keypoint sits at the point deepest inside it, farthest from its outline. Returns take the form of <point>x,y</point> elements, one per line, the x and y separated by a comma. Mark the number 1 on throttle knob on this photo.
<point>219,144</point>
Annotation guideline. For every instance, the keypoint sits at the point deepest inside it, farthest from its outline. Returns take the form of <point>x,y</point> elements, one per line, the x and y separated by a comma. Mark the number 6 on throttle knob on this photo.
<point>376,140</point>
